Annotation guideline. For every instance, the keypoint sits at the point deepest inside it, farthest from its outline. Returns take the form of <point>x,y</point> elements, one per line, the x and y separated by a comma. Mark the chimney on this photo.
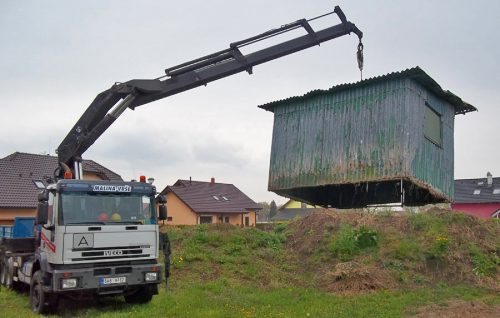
<point>489,179</point>
<point>212,180</point>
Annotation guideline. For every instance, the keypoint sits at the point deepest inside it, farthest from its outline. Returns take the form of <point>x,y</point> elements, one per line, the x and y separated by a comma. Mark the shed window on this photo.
<point>433,126</point>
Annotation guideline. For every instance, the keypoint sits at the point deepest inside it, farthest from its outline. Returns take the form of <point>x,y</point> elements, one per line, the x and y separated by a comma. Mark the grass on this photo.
<point>225,271</point>
<point>216,299</point>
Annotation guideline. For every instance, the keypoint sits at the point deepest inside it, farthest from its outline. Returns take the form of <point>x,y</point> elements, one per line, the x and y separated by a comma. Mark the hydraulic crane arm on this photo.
<point>110,104</point>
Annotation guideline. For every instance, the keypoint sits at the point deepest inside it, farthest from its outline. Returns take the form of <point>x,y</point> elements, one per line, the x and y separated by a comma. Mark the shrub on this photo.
<point>440,246</point>
<point>349,241</point>
<point>365,237</point>
<point>484,265</point>
<point>408,250</point>
<point>280,228</point>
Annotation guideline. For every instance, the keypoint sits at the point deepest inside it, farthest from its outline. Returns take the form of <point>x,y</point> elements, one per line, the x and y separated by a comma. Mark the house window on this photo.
<point>215,197</point>
<point>205,219</point>
<point>169,219</point>
<point>247,221</point>
<point>433,129</point>
<point>226,219</point>
<point>225,198</point>
<point>477,191</point>
<point>496,191</point>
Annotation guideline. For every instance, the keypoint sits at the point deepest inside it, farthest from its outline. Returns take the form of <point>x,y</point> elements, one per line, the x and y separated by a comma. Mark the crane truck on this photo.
<point>102,237</point>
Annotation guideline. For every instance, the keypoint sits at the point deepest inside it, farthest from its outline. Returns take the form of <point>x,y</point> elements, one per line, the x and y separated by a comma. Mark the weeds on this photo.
<point>484,265</point>
<point>349,241</point>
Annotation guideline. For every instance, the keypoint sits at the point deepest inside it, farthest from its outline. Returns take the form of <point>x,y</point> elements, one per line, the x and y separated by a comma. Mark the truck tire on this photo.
<point>41,302</point>
<point>141,296</point>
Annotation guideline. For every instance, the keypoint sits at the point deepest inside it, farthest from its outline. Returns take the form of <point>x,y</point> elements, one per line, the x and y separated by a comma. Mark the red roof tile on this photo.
<point>19,169</point>
<point>207,197</point>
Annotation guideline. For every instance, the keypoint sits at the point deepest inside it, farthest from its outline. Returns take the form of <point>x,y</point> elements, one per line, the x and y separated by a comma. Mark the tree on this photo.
<point>273,209</point>
<point>263,215</point>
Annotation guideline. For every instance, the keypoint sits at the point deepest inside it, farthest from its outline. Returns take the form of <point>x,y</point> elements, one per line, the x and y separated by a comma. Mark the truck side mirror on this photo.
<point>162,199</point>
<point>163,212</point>
<point>43,196</point>
<point>42,212</point>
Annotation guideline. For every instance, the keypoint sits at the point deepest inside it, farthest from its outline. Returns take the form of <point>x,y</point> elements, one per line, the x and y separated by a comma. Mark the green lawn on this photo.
<point>217,300</point>
<point>291,271</point>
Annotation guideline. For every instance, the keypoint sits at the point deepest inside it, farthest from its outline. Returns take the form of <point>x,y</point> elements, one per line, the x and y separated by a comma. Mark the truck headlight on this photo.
<point>69,283</point>
<point>152,276</point>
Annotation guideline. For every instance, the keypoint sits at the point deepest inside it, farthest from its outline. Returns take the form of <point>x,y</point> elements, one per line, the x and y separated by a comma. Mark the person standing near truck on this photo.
<point>167,251</point>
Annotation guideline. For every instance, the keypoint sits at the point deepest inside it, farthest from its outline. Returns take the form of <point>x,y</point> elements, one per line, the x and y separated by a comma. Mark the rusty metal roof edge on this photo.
<point>434,192</point>
<point>415,73</point>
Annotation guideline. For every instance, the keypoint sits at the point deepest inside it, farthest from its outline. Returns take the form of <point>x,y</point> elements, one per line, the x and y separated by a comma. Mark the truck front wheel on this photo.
<point>41,302</point>
<point>141,296</point>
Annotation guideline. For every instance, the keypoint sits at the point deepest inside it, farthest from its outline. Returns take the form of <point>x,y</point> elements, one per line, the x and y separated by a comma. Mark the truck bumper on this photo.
<point>106,279</point>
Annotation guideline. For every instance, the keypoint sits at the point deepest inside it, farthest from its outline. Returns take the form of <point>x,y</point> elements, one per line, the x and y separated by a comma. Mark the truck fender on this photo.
<point>43,263</point>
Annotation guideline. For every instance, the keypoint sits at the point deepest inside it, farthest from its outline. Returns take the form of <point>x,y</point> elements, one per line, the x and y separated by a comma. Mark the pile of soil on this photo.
<point>352,278</point>
<point>308,238</point>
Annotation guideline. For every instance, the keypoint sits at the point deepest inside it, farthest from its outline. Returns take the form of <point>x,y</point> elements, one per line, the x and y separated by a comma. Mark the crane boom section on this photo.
<point>108,105</point>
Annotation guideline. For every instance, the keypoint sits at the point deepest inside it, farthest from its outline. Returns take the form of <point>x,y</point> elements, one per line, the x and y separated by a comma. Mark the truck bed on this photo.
<point>17,245</point>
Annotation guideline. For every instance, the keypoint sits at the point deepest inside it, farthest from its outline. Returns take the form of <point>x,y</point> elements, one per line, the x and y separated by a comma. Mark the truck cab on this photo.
<point>93,238</point>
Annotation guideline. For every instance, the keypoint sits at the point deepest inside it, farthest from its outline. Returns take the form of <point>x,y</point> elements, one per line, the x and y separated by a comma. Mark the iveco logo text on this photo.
<point>113,253</point>
<point>112,188</point>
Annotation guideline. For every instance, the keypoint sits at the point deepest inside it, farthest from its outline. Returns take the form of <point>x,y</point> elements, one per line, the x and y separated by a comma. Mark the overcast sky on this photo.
<point>56,56</point>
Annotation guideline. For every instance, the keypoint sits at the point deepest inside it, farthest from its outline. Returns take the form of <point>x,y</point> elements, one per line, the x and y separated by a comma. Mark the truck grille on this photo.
<point>110,253</point>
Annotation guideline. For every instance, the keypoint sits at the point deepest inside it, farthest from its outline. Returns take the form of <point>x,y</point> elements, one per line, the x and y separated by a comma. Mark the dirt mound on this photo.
<point>308,233</point>
<point>459,309</point>
<point>413,249</point>
<point>352,278</point>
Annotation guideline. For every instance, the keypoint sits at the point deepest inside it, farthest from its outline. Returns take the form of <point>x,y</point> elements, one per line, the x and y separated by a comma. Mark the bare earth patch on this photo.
<point>352,278</point>
<point>459,309</point>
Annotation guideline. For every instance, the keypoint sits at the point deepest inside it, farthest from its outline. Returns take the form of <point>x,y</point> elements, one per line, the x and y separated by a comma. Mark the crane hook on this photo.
<point>359,55</point>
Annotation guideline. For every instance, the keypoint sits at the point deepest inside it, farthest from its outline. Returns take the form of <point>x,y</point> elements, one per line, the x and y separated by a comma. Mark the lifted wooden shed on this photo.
<point>380,140</point>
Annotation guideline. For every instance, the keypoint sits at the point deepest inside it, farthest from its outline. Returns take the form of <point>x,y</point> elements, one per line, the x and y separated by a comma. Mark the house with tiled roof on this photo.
<point>18,194</point>
<point>293,209</point>
<point>192,202</point>
<point>479,197</point>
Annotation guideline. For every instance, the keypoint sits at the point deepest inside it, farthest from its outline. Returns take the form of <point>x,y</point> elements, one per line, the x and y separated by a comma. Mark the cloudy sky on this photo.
<point>56,56</point>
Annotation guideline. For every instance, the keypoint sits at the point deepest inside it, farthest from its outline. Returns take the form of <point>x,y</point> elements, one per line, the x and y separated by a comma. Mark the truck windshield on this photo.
<point>83,208</point>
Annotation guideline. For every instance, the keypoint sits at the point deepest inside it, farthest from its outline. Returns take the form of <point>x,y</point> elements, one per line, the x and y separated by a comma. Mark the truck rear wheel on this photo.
<point>41,301</point>
<point>141,296</point>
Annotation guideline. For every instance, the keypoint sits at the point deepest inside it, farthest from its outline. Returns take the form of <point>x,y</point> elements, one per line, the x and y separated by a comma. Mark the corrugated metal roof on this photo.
<point>207,197</point>
<point>19,169</point>
<point>477,191</point>
<point>415,73</point>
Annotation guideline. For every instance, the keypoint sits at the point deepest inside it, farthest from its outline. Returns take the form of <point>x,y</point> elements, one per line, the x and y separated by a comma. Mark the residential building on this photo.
<point>18,194</point>
<point>293,209</point>
<point>381,140</point>
<point>479,197</point>
<point>192,202</point>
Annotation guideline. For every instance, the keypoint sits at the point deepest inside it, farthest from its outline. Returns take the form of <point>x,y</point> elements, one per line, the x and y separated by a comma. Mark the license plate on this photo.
<point>113,280</point>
